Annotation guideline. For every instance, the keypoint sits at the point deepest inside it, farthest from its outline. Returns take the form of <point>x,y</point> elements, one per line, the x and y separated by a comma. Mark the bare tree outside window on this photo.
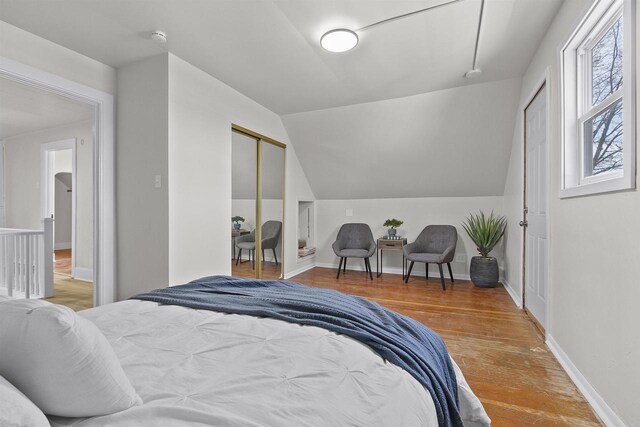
<point>604,131</point>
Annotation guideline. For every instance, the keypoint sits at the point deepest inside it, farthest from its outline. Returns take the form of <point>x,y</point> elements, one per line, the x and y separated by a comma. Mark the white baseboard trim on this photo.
<point>512,293</point>
<point>398,271</point>
<point>604,411</point>
<point>299,270</point>
<point>65,245</point>
<point>84,274</point>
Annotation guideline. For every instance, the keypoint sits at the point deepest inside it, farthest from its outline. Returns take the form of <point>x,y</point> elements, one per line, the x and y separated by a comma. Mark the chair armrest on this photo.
<point>448,254</point>
<point>409,248</point>
<point>337,247</point>
<point>372,248</point>
<point>245,238</point>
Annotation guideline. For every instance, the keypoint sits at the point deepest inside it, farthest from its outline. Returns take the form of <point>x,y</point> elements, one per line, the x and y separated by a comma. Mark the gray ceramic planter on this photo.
<point>484,272</point>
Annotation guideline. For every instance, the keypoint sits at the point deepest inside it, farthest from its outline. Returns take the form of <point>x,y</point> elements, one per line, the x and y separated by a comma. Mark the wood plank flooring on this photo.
<point>269,270</point>
<point>62,263</point>
<point>500,352</point>
<point>75,294</point>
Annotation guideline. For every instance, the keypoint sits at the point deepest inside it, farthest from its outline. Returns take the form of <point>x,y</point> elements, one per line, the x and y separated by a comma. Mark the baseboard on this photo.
<point>65,245</point>
<point>84,274</point>
<point>512,293</point>
<point>604,411</point>
<point>299,270</point>
<point>398,271</point>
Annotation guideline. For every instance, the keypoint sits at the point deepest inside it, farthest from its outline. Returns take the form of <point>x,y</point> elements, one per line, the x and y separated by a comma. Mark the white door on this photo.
<point>535,212</point>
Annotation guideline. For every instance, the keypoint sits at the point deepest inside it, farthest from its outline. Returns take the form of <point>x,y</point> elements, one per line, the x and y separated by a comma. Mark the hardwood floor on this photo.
<point>75,294</point>
<point>500,352</point>
<point>269,270</point>
<point>62,263</point>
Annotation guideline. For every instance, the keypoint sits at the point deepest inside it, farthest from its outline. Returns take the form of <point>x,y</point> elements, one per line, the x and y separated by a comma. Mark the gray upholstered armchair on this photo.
<point>271,231</point>
<point>354,241</point>
<point>436,244</point>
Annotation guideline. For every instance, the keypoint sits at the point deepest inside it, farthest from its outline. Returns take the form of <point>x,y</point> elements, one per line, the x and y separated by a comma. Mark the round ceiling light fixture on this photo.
<point>339,40</point>
<point>159,36</point>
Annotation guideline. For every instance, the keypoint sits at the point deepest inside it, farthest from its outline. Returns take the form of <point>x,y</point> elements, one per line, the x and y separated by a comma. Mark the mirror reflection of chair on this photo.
<point>271,231</point>
<point>435,244</point>
<point>354,241</point>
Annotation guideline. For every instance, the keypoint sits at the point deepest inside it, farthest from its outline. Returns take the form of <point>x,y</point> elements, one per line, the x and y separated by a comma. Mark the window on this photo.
<point>598,101</point>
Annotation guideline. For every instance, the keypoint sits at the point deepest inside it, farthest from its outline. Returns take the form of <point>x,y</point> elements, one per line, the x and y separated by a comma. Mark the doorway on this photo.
<point>535,210</point>
<point>58,200</point>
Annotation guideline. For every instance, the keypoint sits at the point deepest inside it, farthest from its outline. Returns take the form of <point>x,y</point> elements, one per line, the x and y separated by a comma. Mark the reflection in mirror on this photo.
<point>243,204</point>
<point>273,158</point>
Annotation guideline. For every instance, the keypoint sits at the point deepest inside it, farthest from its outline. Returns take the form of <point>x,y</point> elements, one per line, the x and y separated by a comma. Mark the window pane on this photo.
<point>606,65</point>
<point>603,141</point>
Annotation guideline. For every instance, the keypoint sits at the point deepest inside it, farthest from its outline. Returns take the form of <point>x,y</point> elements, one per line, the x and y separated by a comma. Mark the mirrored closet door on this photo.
<point>258,170</point>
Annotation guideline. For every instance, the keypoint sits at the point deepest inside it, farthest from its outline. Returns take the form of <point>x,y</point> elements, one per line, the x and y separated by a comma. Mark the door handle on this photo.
<point>523,223</point>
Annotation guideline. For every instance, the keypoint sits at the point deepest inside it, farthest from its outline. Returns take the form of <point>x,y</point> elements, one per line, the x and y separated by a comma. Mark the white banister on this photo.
<point>26,261</point>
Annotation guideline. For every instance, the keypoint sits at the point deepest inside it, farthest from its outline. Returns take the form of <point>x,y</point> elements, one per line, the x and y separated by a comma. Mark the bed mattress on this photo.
<point>202,368</point>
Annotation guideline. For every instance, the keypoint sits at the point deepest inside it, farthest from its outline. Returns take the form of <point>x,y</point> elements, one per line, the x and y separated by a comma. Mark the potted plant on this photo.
<point>392,224</point>
<point>486,232</point>
<point>237,220</point>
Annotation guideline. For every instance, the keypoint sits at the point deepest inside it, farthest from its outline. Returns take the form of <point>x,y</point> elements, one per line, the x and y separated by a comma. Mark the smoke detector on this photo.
<point>159,36</point>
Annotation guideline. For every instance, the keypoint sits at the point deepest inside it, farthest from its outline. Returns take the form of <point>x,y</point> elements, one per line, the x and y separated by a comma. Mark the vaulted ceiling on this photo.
<point>269,49</point>
<point>395,117</point>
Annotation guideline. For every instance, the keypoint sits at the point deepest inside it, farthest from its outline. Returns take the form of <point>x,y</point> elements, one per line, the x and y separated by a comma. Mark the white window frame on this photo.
<point>575,69</point>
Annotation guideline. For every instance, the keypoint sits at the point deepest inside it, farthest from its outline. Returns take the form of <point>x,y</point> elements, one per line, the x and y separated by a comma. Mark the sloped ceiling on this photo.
<point>454,142</point>
<point>269,49</point>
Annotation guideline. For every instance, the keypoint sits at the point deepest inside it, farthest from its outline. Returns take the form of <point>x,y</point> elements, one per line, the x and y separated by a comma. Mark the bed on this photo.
<point>200,368</point>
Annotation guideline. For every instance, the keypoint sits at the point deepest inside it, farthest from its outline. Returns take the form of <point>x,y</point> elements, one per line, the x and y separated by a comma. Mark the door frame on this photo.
<point>542,83</point>
<point>103,165</point>
<point>47,187</point>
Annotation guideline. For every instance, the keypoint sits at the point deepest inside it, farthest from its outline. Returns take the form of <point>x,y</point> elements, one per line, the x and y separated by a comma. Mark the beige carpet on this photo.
<point>75,294</point>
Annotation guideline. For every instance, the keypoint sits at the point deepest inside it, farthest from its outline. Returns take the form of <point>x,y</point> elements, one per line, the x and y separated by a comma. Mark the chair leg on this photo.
<point>368,264</point>
<point>406,280</point>
<point>239,256</point>
<point>344,266</point>
<point>263,259</point>
<point>274,255</point>
<point>442,277</point>
<point>253,261</point>
<point>426,270</point>
<point>339,268</point>
<point>450,272</point>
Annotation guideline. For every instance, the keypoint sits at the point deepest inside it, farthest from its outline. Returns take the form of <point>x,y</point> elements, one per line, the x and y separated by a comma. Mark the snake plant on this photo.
<point>485,231</point>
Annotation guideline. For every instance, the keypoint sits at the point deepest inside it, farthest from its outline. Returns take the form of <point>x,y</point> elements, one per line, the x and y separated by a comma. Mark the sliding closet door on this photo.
<point>244,180</point>
<point>272,209</point>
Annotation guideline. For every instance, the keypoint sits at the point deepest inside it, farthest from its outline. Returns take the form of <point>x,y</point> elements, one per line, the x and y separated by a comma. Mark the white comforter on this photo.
<point>197,368</point>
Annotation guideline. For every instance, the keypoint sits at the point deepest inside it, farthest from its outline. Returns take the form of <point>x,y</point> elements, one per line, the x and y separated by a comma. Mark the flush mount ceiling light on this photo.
<point>343,40</point>
<point>339,40</point>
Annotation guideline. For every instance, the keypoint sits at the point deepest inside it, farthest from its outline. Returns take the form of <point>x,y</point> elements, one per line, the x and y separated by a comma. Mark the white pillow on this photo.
<point>61,361</point>
<point>16,410</point>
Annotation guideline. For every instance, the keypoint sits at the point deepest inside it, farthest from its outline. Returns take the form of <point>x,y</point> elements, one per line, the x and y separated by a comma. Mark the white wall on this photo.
<point>141,154</point>
<point>22,164</point>
<point>29,49</point>
<point>594,253</point>
<point>416,214</point>
<point>201,111</point>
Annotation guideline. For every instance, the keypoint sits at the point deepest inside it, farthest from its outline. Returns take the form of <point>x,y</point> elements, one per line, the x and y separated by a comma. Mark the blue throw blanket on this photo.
<point>399,339</point>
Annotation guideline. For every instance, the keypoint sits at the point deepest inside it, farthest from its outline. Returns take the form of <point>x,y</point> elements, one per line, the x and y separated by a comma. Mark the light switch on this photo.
<point>349,212</point>
<point>158,182</point>
<point>461,258</point>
